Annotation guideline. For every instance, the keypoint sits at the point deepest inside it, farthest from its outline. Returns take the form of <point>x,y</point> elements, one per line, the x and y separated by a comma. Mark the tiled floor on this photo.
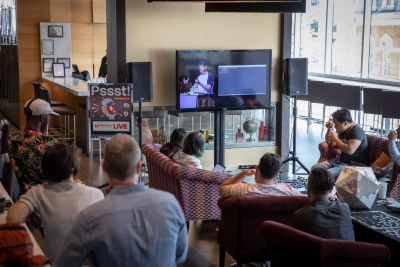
<point>203,247</point>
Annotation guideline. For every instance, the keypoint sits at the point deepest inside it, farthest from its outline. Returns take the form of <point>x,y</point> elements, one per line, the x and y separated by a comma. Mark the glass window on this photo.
<point>313,34</point>
<point>347,34</point>
<point>385,40</point>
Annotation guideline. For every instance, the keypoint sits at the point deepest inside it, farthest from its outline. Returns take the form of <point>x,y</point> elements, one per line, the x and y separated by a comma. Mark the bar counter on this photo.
<point>74,93</point>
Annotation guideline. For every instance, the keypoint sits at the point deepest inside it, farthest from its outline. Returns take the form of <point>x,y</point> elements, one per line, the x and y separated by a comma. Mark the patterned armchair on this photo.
<point>197,190</point>
<point>376,145</point>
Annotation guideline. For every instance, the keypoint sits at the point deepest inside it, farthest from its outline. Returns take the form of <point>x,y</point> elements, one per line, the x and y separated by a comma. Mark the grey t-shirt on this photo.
<point>58,205</point>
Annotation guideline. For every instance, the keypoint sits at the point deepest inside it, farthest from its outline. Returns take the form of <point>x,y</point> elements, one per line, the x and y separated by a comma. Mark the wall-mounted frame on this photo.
<point>47,47</point>
<point>55,31</point>
<point>66,61</point>
<point>58,70</point>
<point>48,64</point>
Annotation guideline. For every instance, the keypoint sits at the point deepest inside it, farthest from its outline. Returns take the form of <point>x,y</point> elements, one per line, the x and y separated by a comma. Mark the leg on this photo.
<point>337,169</point>
<point>221,257</point>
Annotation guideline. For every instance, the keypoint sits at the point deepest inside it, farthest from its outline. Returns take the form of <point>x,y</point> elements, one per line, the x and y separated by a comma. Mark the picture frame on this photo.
<point>56,31</point>
<point>66,61</point>
<point>48,64</point>
<point>47,47</point>
<point>58,70</point>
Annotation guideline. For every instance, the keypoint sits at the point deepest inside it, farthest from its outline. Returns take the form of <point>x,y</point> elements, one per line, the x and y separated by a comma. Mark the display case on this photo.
<point>243,128</point>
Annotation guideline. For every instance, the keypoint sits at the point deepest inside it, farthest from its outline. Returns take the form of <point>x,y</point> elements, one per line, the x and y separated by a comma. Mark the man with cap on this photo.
<point>205,80</point>
<point>27,148</point>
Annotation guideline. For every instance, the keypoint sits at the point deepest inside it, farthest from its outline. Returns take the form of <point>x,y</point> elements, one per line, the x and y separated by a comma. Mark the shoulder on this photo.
<point>344,207</point>
<point>89,190</point>
<point>357,130</point>
<point>304,211</point>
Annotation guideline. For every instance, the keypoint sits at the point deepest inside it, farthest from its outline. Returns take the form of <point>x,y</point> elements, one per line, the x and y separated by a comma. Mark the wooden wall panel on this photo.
<point>82,43</point>
<point>60,11</point>
<point>81,11</point>
<point>99,11</point>
<point>29,14</point>
<point>99,45</point>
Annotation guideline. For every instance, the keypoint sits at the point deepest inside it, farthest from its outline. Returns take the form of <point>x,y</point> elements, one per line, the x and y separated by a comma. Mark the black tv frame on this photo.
<point>179,110</point>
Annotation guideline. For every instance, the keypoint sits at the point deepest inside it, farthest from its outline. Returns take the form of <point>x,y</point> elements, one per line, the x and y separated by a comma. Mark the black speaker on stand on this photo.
<point>140,75</point>
<point>295,79</point>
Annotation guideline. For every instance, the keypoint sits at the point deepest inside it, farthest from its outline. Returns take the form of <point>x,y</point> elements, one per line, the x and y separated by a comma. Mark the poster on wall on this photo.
<point>110,109</point>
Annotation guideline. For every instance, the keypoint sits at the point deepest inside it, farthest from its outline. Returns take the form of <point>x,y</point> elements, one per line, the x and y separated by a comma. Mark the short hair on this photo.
<point>59,162</point>
<point>203,62</point>
<point>342,115</point>
<point>121,156</point>
<point>177,136</point>
<point>269,165</point>
<point>194,144</point>
<point>320,181</point>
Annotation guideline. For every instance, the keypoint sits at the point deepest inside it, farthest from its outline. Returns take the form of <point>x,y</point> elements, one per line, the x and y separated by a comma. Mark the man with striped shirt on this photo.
<point>265,172</point>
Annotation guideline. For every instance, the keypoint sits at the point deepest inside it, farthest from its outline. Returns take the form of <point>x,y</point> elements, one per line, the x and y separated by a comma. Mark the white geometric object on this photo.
<point>357,186</point>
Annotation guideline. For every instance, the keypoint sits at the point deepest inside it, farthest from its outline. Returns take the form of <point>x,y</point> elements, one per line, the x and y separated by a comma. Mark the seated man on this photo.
<point>352,143</point>
<point>265,172</point>
<point>326,218</point>
<point>133,225</point>
<point>27,148</point>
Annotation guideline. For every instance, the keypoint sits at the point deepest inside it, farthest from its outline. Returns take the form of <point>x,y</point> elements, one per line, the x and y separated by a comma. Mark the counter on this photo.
<point>71,85</point>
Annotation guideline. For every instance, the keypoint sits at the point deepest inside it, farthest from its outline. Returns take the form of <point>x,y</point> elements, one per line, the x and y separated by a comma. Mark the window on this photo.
<point>347,33</point>
<point>385,41</point>
<point>353,38</point>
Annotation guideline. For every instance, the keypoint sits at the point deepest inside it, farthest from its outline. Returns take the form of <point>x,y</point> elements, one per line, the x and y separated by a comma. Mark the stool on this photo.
<point>64,112</point>
<point>39,93</point>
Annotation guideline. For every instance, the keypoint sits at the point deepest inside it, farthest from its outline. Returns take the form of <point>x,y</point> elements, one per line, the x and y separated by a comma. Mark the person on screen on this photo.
<point>205,81</point>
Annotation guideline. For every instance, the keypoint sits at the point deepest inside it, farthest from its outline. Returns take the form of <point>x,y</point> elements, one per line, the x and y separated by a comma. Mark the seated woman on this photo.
<point>193,148</point>
<point>175,144</point>
<point>59,201</point>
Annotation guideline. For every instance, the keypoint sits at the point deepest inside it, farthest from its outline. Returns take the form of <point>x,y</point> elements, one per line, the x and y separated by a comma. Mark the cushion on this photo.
<point>381,161</point>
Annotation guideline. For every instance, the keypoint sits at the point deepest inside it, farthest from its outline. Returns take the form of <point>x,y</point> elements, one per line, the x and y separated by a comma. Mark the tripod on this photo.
<point>294,157</point>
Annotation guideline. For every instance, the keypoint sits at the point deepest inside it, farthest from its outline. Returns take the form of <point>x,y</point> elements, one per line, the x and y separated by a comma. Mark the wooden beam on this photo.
<point>116,41</point>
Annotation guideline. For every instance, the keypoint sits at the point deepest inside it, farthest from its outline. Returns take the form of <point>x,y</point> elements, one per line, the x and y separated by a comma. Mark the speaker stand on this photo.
<point>294,157</point>
<point>140,123</point>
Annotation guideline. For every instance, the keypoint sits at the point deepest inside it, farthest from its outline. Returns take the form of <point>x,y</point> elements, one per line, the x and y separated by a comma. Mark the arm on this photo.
<point>182,241</point>
<point>394,152</point>
<point>226,188</point>
<point>18,213</point>
<point>205,86</point>
<point>348,148</point>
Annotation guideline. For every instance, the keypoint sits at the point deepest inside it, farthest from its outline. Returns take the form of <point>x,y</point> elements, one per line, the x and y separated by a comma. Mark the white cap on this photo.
<point>39,107</point>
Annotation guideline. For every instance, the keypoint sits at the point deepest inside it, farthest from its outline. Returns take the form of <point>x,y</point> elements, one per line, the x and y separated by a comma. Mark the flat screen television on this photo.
<point>223,79</point>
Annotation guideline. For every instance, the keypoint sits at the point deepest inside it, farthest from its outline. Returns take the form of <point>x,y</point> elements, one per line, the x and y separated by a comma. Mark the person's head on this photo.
<point>178,136</point>
<point>203,66</point>
<point>398,132</point>
<point>59,163</point>
<point>268,167</point>
<point>37,113</point>
<point>342,120</point>
<point>194,144</point>
<point>320,183</point>
<point>122,159</point>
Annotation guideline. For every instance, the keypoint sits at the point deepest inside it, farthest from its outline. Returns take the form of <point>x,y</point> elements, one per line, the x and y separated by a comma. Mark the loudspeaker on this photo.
<point>140,74</point>
<point>296,76</point>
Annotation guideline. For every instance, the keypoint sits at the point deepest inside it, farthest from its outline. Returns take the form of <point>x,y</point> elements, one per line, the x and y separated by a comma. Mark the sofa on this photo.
<point>197,190</point>
<point>240,233</point>
<point>288,246</point>
<point>376,145</point>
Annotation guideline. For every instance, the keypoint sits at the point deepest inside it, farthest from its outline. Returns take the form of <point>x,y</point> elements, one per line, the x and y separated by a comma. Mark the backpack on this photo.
<point>16,248</point>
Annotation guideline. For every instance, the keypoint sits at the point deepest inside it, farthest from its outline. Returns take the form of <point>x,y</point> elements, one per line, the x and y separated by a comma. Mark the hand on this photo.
<point>332,196</point>
<point>185,81</point>
<point>392,136</point>
<point>196,81</point>
<point>246,173</point>
<point>332,136</point>
<point>329,125</point>
<point>378,172</point>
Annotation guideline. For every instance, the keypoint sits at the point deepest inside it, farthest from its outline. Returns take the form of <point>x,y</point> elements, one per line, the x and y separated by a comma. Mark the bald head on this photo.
<point>122,156</point>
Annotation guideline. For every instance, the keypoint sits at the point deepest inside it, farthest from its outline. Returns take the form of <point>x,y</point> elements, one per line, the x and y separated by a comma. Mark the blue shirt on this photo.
<point>132,226</point>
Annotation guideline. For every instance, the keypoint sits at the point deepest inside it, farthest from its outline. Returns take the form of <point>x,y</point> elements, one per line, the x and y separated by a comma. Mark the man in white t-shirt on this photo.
<point>205,80</point>
<point>265,172</point>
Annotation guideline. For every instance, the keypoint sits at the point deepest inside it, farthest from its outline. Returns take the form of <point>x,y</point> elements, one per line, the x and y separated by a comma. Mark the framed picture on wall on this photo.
<point>55,31</point>
<point>47,47</point>
<point>58,70</point>
<point>48,64</point>
<point>66,62</point>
